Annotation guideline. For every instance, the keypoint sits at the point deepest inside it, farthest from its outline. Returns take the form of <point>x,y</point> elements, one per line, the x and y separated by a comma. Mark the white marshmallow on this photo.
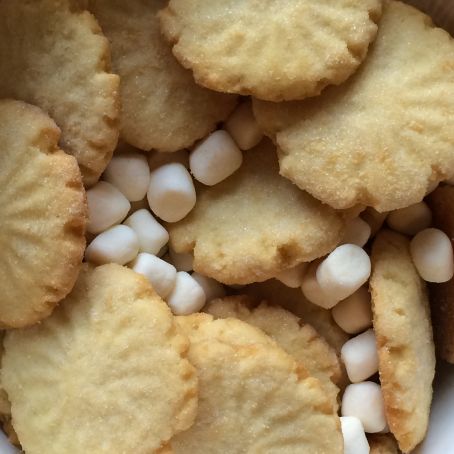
<point>355,441</point>
<point>365,402</point>
<point>354,314</point>
<point>119,244</point>
<point>432,254</point>
<point>107,206</point>
<point>410,220</point>
<point>5,446</point>
<point>344,271</point>
<point>357,231</point>
<point>293,277</point>
<point>312,290</point>
<point>152,235</point>
<point>212,288</point>
<point>158,159</point>
<point>171,194</point>
<point>181,261</point>
<point>130,174</point>
<point>187,296</point>
<point>243,127</point>
<point>215,158</point>
<point>360,356</point>
<point>162,275</point>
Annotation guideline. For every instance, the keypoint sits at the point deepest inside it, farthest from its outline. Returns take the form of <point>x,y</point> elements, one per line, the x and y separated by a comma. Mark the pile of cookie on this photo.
<point>222,224</point>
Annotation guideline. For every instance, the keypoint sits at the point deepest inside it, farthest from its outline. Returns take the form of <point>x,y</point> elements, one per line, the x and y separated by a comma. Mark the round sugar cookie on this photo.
<point>298,339</point>
<point>295,302</point>
<point>106,373</point>
<point>42,216</point>
<point>162,107</point>
<point>253,397</point>
<point>273,49</point>
<point>402,326</point>
<point>384,137</point>
<point>53,55</point>
<point>255,224</point>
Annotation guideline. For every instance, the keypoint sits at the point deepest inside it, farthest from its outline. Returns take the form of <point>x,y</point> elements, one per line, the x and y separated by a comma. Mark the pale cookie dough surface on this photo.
<point>385,136</point>
<point>294,301</point>
<point>106,373</point>
<point>273,49</point>
<point>53,55</point>
<point>162,107</point>
<point>42,216</point>
<point>253,397</point>
<point>255,224</point>
<point>403,330</point>
<point>298,339</point>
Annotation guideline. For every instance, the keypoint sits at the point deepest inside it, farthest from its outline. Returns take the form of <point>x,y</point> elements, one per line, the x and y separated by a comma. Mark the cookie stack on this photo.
<point>217,222</point>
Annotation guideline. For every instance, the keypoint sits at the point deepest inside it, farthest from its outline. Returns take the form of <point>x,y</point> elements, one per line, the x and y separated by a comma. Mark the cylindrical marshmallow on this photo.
<point>162,275</point>
<point>107,206</point>
<point>344,271</point>
<point>181,261</point>
<point>312,290</point>
<point>243,127</point>
<point>152,235</point>
<point>410,220</point>
<point>213,289</point>
<point>355,440</point>
<point>187,295</point>
<point>130,174</point>
<point>293,277</point>
<point>357,231</point>
<point>354,314</point>
<point>432,254</point>
<point>215,158</point>
<point>158,159</point>
<point>171,193</point>
<point>365,402</point>
<point>360,356</point>
<point>119,244</point>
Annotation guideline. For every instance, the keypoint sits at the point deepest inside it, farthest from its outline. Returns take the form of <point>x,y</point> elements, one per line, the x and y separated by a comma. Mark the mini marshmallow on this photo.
<point>152,235</point>
<point>357,231</point>
<point>355,441</point>
<point>432,254</point>
<point>354,314</point>
<point>213,289</point>
<point>130,174</point>
<point>187,295</point>
<point>162,275</point>
<point>360,356</point>
<point>293,277</point>
<point>243,127</point>
<point>107,206</point>
<point>118,244</point>
<point>171,193</point>
<point>312,290</point>
<point>215,158</point>
<point>158,159</point>
<point>181,261</point>
<point>365,402</point>
<point>410,220</point>
<point>344,271</point>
